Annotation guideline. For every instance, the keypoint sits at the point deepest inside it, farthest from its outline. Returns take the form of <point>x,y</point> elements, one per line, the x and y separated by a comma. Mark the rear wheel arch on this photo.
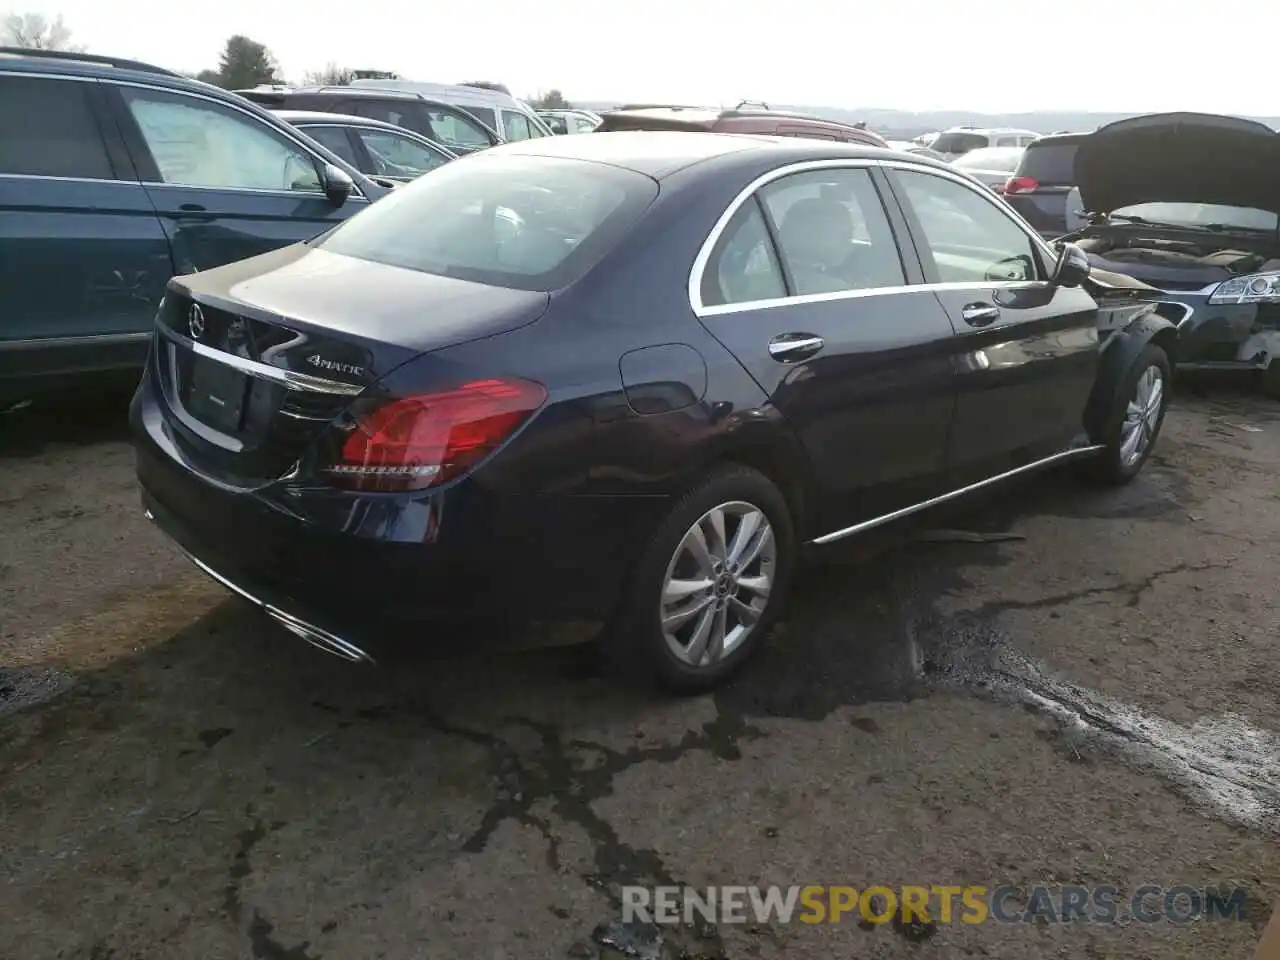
<point>780,458</point>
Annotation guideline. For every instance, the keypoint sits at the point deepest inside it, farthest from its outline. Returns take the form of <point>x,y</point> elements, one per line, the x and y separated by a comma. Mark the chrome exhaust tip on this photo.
<point>318,638</point>
<point>321,639</point>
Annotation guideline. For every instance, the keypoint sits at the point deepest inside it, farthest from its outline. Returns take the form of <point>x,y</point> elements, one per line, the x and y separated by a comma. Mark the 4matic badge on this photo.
<point>318,361</point>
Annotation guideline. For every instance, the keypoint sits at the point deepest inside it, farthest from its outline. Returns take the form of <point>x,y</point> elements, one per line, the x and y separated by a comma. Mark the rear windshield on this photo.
<point>959,142</point>
<point>532,223</point>
<point>1052,164</point>
<point>1000,159</point>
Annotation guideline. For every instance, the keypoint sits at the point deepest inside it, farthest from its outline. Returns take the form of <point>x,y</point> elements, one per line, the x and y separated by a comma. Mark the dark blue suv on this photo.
<point>114,177</point>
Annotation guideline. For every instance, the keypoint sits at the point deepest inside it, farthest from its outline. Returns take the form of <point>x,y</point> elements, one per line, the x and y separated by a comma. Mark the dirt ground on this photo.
<point>1092,701</point>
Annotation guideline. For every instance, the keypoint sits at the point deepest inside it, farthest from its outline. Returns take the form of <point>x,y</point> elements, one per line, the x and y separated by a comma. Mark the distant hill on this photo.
<point>905,124</point>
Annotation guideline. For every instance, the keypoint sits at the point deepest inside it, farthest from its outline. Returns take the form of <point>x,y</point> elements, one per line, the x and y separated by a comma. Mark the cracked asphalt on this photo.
<point>1090,699</point>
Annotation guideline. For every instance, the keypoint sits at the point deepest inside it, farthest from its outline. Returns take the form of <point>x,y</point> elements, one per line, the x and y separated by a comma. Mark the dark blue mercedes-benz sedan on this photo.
<point>624,378</point>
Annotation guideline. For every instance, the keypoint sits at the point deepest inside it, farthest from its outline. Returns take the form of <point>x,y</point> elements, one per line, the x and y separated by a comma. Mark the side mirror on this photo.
<point>1072,268</point>
<point>337,184</point>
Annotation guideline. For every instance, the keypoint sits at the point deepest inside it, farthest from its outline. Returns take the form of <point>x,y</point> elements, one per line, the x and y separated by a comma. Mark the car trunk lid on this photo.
<point>255,360</point>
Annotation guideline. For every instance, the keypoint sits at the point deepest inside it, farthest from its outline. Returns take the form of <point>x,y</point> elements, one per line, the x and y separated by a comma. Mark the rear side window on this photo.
<point>47,129</point>
<point>832,232</point>
<point>959,142</point>
<point>531,223</point>
<point>486,116</point>
<point>1051,164</point>
<point>743,267</point>
<point>454,130</point>
<point>336,139</point>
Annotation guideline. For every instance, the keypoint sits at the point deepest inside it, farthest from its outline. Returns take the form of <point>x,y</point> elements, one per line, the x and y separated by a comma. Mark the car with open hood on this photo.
<point>1190,204</point>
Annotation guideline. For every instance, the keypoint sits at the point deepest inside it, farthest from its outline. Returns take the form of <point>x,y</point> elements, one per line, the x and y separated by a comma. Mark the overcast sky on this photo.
<point>1104,55</point>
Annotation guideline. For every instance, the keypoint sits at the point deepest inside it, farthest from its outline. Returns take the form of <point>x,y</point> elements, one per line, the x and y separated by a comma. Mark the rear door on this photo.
<point>807,286</point>
<point>1027,352</point>
<point>83,258</point>
<point>226,184</point>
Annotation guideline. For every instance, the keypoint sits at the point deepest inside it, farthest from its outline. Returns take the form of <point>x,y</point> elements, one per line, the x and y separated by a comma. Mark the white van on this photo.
<point>510,118</point>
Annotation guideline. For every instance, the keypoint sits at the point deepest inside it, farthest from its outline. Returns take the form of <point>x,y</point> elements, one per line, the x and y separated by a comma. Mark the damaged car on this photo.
<point>1190,204</point>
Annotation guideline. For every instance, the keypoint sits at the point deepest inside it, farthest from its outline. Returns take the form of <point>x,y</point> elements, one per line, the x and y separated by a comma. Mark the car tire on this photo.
<point>656,634</point>
<point>1134,423</point>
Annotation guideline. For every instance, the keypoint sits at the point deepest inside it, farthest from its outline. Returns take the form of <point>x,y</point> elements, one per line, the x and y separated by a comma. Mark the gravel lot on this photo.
<point>1092,702</point>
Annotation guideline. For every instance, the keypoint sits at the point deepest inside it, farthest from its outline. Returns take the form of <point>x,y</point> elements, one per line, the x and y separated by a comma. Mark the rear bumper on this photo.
<point>360,567</point>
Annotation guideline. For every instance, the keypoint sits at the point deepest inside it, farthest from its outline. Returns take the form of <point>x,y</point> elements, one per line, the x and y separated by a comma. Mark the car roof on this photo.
<point>89,64</point>
<point>660,154</point>
<point>342,119</point>
<point>344,91</point>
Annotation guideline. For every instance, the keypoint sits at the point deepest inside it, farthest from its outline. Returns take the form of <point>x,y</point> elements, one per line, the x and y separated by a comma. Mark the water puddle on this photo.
<point>1225,762</point>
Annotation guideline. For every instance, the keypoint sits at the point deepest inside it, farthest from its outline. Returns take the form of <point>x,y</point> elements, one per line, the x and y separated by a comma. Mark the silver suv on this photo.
<point>958,141</point>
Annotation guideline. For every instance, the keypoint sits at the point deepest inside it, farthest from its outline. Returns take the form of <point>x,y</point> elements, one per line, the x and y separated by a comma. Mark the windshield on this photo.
<point>1004,159</point>
<point>532,223</point>
<point>958,142</point>
<point>1203,215</point>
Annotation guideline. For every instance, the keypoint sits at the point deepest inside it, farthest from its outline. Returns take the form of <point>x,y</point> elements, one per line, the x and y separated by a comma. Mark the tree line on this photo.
<point>244,62</point>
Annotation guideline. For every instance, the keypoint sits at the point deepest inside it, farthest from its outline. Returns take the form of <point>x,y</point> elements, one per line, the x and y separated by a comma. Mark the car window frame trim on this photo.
<point>700,263</point>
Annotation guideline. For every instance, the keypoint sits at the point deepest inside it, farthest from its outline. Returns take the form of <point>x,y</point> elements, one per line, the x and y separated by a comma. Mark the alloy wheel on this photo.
<point>717,584</point>
<point>1142,416</point>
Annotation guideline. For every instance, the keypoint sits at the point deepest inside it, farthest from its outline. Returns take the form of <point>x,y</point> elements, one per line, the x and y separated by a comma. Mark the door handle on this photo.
<point>979,314</point>
<point>790,347</point>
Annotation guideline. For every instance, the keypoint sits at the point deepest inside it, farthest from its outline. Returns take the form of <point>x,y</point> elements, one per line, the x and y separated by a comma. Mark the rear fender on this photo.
<point>763,441</point>
<point>1119,352</point>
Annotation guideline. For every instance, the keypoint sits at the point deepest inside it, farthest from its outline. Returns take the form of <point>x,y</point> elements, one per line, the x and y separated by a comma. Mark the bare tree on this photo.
<point>331,76</point>
<point>36,32</point>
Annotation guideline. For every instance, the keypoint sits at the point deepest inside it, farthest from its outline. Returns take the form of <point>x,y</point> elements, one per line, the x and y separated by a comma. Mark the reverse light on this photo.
<point>420,441</point>
<point>1021,185</point>
<point>1255,288</point>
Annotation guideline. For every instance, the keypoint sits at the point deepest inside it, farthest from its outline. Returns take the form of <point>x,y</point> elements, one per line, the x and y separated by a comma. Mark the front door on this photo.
<point>225,184</point>
<point>824,320</point>
<point>1026,350</point>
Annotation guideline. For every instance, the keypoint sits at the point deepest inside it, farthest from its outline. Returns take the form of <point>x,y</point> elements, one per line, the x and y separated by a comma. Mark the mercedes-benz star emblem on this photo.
<point>195,322</point>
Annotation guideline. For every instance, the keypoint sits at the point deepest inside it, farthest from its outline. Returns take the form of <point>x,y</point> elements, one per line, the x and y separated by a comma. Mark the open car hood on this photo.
<point>1179,158</point>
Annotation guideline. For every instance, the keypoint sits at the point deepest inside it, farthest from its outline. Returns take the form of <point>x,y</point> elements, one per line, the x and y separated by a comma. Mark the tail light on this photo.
<point>1020,185</point>
<point>420,441</point>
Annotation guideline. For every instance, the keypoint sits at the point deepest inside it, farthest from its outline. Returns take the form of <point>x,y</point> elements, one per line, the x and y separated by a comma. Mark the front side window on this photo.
<point>198,143</point>
<point>583,124</point>
<point>743,267</point>
<point>47,129</point>
<point>335,139</point>
<point>515,126</point>
<point>396,156</point>
<point>833,234</point>
<point>530,223</point>
<point>969,238</point>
